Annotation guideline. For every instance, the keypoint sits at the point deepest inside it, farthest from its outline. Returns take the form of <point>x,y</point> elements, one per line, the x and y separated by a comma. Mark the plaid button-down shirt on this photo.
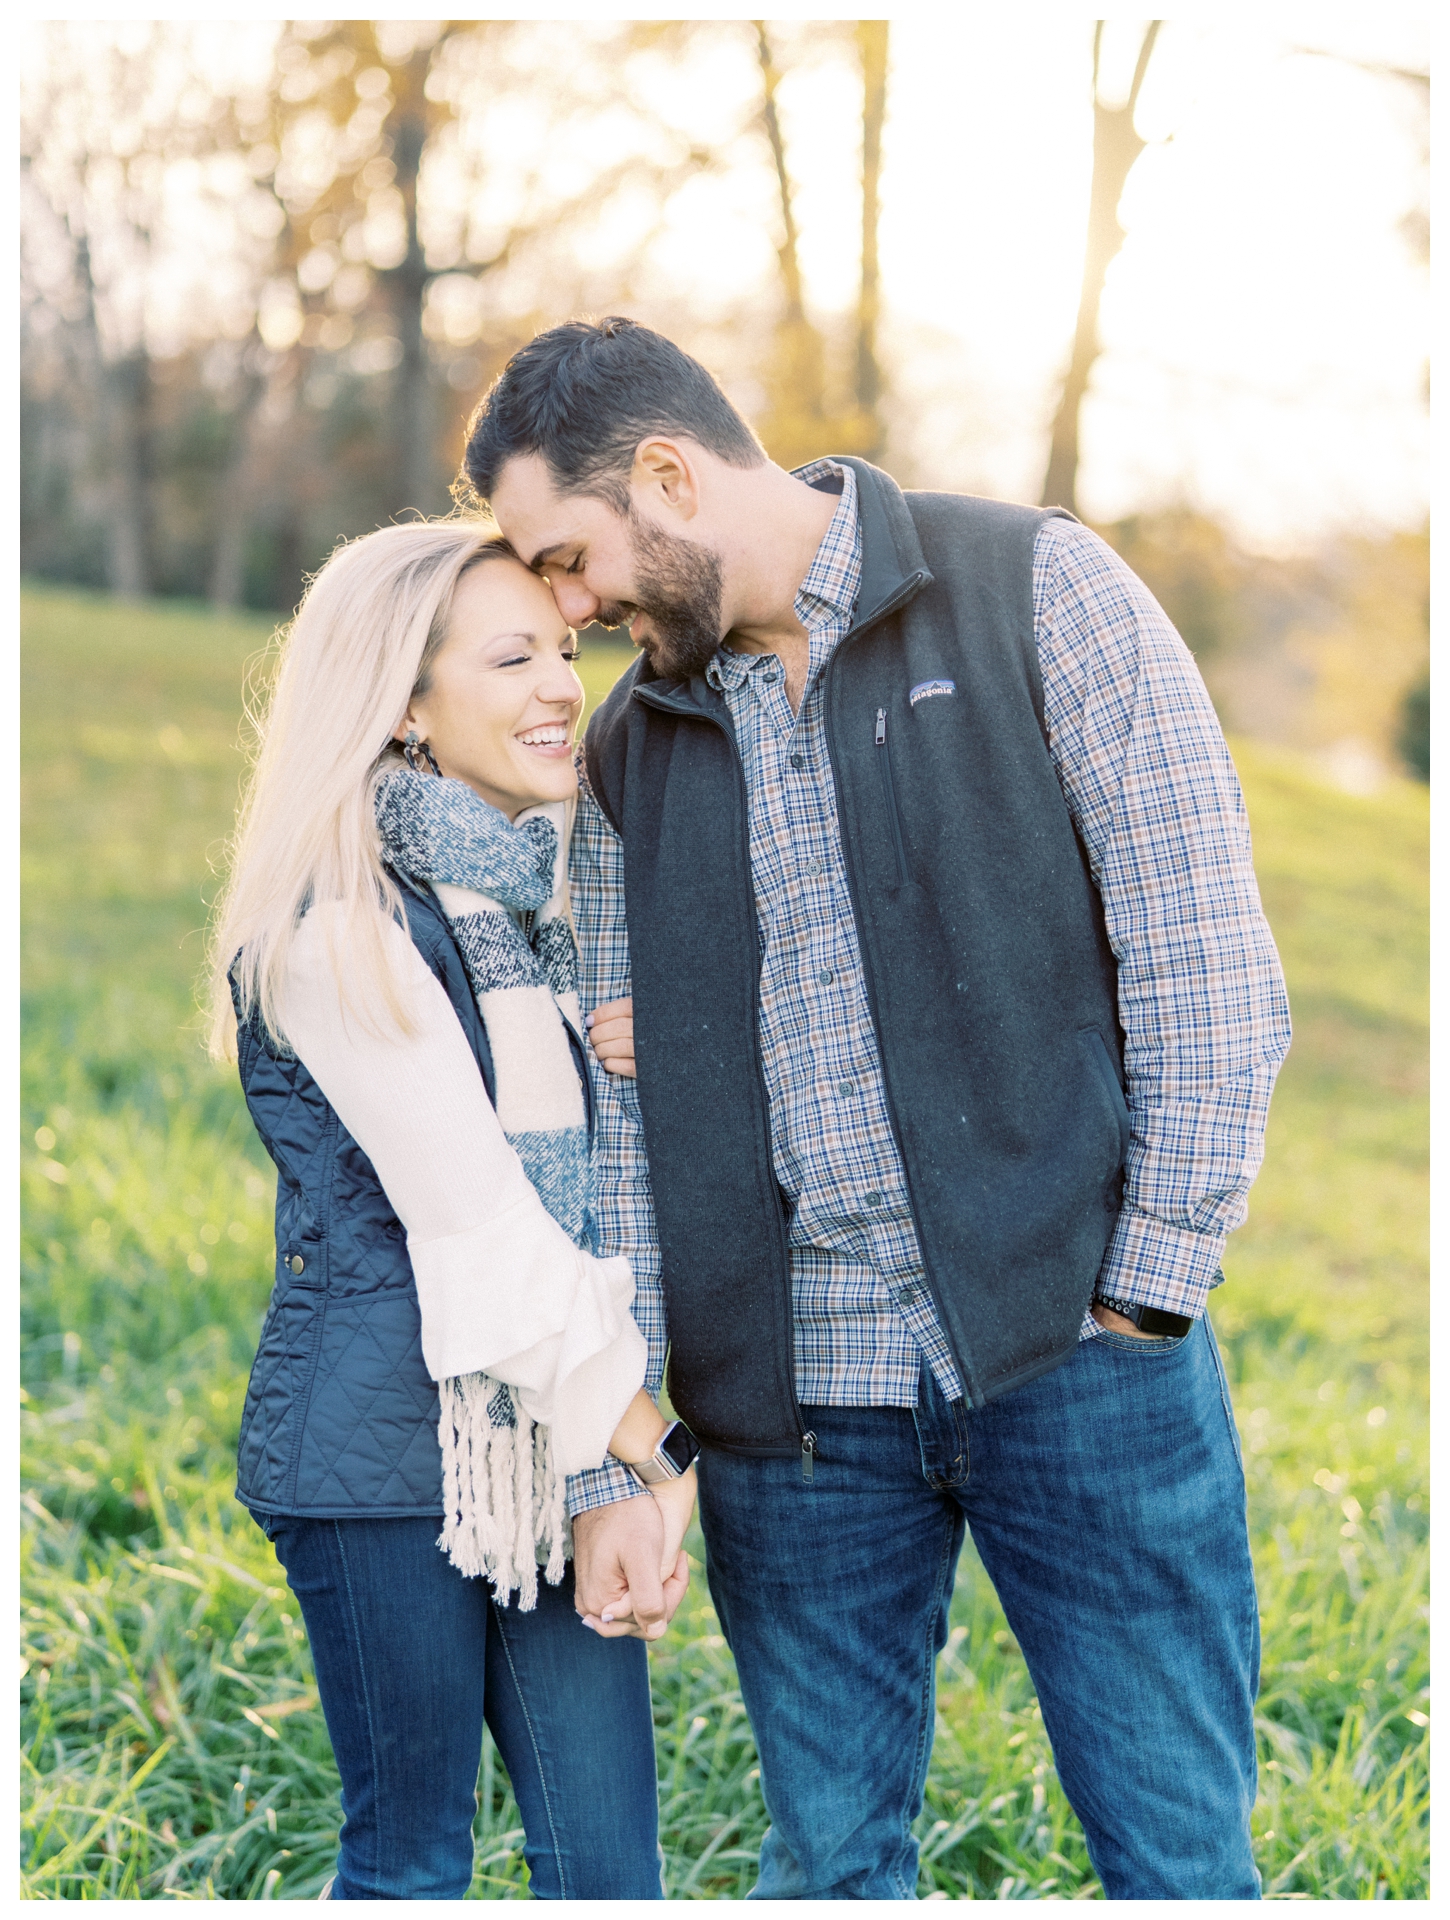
<point>1149,782</point>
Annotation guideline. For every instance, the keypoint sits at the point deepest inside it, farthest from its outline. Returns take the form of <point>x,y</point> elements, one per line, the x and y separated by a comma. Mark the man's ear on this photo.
<point>666,470</point>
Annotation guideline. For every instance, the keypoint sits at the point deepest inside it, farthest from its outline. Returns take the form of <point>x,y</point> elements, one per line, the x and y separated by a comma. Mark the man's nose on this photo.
<point>574,600</point>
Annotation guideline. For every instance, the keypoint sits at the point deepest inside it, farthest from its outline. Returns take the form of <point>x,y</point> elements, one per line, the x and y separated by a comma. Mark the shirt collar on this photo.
<point>827,594</point>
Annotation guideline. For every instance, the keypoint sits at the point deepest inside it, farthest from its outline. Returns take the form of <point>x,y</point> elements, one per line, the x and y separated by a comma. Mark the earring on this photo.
<point>415,751</point>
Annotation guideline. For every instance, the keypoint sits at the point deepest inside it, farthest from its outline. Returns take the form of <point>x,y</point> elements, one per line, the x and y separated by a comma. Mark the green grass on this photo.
<point>172,1746</point>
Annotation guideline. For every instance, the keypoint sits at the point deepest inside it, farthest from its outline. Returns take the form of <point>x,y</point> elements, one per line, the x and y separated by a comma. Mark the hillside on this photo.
<point>171,1736</point>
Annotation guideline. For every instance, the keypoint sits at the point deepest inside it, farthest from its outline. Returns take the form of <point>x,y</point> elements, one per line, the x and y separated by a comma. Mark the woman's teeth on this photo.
<point>545,737</point>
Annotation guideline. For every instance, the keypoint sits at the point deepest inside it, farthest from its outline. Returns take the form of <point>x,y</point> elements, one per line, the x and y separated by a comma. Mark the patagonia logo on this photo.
<point>929,689</point>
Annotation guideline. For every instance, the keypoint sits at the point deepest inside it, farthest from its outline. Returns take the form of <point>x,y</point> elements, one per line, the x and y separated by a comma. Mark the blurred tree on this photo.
<point>1414,734</point>
<point>1116,145</point>
<point>230,368</point>
<point>1194,569</point>
<point>102,124</point>
<point>795,427</point>
<point>809,413</point>
<point>382,259</point>
<point>872,41</point>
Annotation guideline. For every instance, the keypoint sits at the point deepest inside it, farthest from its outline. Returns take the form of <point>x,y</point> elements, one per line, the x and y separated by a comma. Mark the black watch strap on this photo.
<point>1147,1319</point>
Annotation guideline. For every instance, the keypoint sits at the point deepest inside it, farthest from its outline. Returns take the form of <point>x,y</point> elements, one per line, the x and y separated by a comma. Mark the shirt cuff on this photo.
<point>600,1487</point>
<point>1155,1265</point>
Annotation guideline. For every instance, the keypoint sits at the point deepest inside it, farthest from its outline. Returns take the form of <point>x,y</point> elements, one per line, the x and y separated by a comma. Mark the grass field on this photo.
<point>172,1743</point>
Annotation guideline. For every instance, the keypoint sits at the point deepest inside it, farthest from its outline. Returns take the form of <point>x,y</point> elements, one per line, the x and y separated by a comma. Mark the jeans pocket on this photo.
<point>1145,1345</point>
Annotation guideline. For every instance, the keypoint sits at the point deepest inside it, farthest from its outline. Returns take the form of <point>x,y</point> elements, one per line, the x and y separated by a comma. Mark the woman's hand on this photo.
<point>611,1034</point>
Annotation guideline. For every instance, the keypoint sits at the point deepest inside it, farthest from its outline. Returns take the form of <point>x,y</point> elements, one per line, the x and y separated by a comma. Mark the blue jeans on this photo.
<point>1106,1500</point>
<point>412,1660</point>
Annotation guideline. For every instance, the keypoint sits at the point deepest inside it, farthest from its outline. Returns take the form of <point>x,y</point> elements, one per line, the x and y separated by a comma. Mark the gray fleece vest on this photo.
<point>992,986</point>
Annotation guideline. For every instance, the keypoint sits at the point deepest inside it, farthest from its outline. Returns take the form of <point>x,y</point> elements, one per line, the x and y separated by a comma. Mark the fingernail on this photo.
<point>607,1618</point>
<point>588,1021</point>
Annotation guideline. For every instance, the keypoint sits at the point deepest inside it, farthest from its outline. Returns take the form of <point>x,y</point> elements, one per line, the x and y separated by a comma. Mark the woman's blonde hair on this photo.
<point>364,639</point>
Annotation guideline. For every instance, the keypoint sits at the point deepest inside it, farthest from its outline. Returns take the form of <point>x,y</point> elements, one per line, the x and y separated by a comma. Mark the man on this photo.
<point>915,840</point>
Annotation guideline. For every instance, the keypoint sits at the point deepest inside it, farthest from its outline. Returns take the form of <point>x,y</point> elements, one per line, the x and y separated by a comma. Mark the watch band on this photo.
<point>1147,1319</point>
<point>651,1471</point>
<point>674,1455</point>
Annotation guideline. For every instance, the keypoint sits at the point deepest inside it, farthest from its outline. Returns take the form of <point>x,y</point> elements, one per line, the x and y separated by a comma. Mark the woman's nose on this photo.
<point>560,686</point>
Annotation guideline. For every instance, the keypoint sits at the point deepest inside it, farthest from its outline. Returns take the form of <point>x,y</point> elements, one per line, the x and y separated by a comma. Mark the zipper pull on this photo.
<point>808,1457</point>
<point>881,726</point>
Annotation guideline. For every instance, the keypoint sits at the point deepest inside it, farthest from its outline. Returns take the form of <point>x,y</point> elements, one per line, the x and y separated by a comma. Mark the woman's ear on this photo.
<point>409,722</point>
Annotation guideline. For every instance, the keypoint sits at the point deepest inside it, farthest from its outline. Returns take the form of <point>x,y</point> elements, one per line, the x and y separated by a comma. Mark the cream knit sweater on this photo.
<point>502,1289</point>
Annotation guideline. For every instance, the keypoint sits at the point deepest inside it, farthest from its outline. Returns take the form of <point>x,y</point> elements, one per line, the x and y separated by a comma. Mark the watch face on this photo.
<point>679,1446</point>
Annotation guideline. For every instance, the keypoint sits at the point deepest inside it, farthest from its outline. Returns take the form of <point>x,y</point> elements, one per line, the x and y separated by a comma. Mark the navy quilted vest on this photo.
<point>341,1416</point>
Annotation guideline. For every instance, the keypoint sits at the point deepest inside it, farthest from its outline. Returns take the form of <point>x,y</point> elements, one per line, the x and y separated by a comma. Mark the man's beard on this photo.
<point>678,590</point>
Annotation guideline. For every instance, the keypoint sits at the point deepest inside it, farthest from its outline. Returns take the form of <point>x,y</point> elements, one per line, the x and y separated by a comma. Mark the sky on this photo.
<point>1266,324</point>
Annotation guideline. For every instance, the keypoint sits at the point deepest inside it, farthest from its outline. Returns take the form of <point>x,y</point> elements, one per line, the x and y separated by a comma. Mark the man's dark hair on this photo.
<point>585,394</point>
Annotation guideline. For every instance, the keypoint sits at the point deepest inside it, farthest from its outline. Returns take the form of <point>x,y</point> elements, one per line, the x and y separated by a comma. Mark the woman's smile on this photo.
<point>552,740</point>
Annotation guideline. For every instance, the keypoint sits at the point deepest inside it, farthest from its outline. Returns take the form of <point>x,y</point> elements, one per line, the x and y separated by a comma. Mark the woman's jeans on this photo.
<point>412,1660</point>
<point>1106,1500</point>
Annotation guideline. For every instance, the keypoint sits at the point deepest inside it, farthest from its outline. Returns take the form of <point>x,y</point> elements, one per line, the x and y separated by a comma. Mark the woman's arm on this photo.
<point>501,1287</point>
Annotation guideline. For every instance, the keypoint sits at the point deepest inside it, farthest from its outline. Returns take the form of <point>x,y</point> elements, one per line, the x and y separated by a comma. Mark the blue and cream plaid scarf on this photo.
<point>504,888</point>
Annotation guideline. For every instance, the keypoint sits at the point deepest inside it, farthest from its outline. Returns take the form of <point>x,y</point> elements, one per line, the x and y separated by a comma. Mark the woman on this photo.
<point>394,963</point>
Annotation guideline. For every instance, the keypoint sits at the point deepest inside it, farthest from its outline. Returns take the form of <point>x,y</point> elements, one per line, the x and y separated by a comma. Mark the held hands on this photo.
<point>611,1034</point>
<point>629,1571</point>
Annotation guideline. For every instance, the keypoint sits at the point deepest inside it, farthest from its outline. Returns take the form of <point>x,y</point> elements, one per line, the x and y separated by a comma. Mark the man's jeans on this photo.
<point>411,1660</point>
<point>1106,1500</point>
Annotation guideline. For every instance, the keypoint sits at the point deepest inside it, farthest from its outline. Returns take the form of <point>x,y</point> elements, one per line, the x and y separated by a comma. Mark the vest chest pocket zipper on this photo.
<point>888,792</point>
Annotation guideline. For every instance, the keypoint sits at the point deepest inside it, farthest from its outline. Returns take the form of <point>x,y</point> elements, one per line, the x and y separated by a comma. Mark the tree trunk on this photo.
<point>240,490</point>
<point>794,429</point>
<point>125,383</point>
<point>1116,146</point>
<point>872,40</point>
<point>119,390</point>
<point>420,484</point>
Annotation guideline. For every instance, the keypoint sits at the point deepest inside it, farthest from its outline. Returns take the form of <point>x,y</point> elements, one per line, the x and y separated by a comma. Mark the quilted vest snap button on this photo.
<point>297,1263</point>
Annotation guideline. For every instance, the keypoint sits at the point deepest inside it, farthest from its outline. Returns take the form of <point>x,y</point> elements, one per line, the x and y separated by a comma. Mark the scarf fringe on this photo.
<point>503,1496</point>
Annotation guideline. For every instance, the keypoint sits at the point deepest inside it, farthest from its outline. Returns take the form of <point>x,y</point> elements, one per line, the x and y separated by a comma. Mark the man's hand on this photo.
<point>1120,1323</point>
<point>618,1554</point>
<point>611,1034</point>
<point>676,1501</point>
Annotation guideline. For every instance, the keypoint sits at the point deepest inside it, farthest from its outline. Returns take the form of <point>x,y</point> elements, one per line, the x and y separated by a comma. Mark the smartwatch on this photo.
<point>1147,1319</point>
<point>676,1453</point>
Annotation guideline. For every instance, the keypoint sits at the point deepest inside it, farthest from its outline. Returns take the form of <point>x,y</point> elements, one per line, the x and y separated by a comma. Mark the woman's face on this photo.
<point>503,695</point>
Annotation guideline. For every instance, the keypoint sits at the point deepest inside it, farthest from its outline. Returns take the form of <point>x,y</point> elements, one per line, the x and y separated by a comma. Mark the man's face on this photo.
<point>624,570</point>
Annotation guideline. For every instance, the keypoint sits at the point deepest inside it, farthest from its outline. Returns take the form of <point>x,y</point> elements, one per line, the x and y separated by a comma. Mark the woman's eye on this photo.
<point>574,655</point>
<point>576,565</point>
<point>515,660</point>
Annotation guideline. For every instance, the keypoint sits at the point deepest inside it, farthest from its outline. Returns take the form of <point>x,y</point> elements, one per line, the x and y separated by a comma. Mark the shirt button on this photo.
<point>846,1089</point>
<point>825,977</point>
<point>797,759</point>
<point>815,869</point>
<point>873,1199</point>
<point>907,1295</point>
